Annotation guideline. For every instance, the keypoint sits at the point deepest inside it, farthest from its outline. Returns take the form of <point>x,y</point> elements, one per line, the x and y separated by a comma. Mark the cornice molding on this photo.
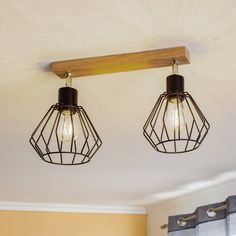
<point>57,207</point>
<point>215,193</point>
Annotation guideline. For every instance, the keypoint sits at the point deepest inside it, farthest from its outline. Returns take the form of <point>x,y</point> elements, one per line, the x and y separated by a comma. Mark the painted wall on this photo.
<point>25,223</point>
<point>158,213</point>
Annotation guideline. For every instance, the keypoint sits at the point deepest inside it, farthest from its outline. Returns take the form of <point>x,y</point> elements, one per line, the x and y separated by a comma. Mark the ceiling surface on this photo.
<point>126,170</point>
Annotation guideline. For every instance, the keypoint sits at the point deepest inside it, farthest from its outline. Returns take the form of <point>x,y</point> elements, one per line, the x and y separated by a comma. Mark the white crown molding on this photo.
<point>54,207</point>
<point>216,193</point>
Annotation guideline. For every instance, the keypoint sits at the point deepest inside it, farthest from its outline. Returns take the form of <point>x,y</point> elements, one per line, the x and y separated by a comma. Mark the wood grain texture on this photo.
<point>121,62</point>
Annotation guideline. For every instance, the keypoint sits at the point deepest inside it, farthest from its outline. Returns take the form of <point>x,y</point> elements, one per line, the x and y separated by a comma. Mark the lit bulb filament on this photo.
<point>66,131</point>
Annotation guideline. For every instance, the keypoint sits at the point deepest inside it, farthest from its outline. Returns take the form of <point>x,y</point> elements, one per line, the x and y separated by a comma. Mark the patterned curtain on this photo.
<point>218,219</point>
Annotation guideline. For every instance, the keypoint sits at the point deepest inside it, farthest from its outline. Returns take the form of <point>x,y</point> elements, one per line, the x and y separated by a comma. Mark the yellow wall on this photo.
<point>22,223</point>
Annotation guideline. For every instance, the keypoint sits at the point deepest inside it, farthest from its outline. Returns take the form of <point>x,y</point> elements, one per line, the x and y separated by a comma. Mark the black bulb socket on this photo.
<point>67,96</point>
<point>175,86</point>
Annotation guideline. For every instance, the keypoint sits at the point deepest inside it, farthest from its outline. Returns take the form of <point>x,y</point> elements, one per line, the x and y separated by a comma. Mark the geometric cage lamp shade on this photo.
<point>65,135</point>
<point>176,124</point>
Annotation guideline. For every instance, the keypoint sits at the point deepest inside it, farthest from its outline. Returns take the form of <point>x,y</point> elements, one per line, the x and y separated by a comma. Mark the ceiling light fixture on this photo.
<point>65,135</point>
<point>176,124</point>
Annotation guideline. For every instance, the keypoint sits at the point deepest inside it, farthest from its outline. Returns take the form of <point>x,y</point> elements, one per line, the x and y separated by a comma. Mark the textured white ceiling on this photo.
<point>126,170</point>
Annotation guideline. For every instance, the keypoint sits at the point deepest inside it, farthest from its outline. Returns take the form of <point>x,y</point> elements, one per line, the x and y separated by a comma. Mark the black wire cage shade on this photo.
<point>175,124</point>
<point>65,135</point>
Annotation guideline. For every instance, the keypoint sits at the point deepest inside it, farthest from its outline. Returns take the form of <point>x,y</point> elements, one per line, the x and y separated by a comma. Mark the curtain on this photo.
<point>218,219</point>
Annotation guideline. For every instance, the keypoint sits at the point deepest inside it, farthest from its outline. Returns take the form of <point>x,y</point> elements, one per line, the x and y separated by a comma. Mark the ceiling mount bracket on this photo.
<point>68,77</point>
<point>121,62</point>
<point>175,64</point>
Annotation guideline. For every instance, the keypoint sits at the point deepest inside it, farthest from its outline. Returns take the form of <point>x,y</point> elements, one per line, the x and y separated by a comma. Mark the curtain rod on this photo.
<point>211,212</point>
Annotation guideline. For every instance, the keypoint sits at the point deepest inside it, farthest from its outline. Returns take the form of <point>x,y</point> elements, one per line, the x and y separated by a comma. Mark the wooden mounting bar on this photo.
<point>121,62</point>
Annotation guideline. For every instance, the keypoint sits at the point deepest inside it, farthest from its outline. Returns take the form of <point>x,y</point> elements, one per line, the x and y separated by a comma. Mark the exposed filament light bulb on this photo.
<point>175,114</point>
<point>67,131</point>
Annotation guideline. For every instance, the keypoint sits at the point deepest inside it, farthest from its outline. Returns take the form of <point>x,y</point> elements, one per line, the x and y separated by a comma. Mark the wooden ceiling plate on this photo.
<point>121,62</point>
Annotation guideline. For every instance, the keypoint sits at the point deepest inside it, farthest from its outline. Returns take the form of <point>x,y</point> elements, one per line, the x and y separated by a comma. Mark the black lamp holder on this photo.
<point>68,96</point>
<point>175,83</point>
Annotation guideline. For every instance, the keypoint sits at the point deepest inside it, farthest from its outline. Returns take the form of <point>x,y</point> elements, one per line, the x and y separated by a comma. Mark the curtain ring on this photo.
<point>181,222</point>
<point>211,213</point>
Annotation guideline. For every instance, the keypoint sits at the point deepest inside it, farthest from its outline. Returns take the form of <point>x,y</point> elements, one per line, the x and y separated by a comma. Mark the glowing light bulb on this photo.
<point>67,131</point>
<point>175,115</point>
